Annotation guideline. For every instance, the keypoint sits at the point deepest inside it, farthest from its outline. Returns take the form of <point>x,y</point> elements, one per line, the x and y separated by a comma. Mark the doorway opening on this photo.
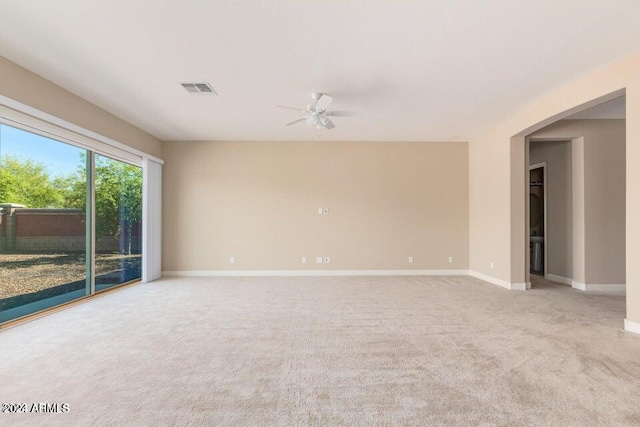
<point>537,218</point>
<point>576,207</point>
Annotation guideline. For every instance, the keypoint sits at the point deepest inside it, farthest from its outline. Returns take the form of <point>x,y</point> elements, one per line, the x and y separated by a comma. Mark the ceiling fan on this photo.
<point>316,114</point>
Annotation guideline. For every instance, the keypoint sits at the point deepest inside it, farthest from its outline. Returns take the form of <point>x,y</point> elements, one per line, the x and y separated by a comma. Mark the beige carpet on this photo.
<point>328,351</point>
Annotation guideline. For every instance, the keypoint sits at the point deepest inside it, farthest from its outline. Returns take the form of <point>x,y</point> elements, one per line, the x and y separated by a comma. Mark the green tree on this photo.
<point>73,189</point>
<point>28,183</point>
<point>118,188</point>
<point>118,199</point>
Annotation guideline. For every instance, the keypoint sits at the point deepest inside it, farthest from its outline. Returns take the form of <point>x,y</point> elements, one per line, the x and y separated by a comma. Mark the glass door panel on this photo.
<point>43,223</point>
<point>118,218</point>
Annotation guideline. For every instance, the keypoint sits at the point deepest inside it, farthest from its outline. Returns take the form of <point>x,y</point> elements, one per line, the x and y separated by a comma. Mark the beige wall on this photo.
<point>258,201</point>
<point>496,232</point>
<point>28,88</point>
<point>557,187</point>
<point>604,194</point>
<point>489,208</point>
<point>578,210</point>
<point>605,200</point>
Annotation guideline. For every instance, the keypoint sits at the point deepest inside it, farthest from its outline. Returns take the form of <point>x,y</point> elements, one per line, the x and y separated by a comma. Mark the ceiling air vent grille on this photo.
<point>201,88</point>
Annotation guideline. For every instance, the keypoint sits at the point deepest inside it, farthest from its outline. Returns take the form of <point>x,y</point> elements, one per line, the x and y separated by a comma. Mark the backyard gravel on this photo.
<point>28,273</point>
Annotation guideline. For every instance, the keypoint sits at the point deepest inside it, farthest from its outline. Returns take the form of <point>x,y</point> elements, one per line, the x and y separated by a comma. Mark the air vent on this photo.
<point>201,88</point>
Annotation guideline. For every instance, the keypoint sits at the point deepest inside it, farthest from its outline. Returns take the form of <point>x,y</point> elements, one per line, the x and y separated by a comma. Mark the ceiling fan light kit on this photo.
<point>316,114</point>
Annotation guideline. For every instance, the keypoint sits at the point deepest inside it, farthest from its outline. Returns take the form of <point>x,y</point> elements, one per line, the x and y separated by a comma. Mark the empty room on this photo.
<point>339,213</point>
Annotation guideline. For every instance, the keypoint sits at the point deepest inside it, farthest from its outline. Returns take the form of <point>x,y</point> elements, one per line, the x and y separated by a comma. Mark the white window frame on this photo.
<point>22,116</point>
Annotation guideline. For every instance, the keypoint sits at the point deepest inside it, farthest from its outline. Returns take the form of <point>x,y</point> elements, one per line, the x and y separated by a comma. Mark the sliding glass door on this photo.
<point>70,222</point>
<point>118,201</point>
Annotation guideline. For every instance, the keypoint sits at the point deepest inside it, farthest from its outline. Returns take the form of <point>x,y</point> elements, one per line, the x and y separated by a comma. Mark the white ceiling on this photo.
<point>414,70</point>
<point>614,109</point>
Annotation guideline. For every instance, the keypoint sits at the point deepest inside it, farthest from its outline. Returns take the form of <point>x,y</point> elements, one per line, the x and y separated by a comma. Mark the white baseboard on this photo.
<point>599,287</point>
<point>499,282</point>
<point>520,286</point>
<point>265,273</point>
<point>630,326</point>
<point>493,280</point>
<point>558,279</point>
<point>275,273</point>
<point>606,287</point>
<point>579,286</point>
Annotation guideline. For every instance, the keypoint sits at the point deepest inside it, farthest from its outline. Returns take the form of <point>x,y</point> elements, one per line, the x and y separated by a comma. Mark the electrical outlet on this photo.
<point>325,211</point>
<point>450,259</point>
<point>410,260</point>
<point>491,265</point>
<point>232,260</point>
<point>304,259</point>
<point>327,260</point>
<point>318,260</point>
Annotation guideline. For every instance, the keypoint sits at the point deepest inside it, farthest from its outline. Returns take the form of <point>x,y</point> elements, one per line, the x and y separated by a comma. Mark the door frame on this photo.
<point>542,165</point>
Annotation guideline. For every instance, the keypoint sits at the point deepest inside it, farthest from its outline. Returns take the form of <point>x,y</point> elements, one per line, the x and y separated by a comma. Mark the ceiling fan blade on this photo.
<point>290,108</point>
<point>326,122</point>
<point>296,121</point>
<point>341,113</point>
<point>323,102</point>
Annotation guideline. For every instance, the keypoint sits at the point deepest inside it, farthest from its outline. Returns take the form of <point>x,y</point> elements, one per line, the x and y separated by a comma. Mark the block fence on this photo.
<point>52,230</point>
